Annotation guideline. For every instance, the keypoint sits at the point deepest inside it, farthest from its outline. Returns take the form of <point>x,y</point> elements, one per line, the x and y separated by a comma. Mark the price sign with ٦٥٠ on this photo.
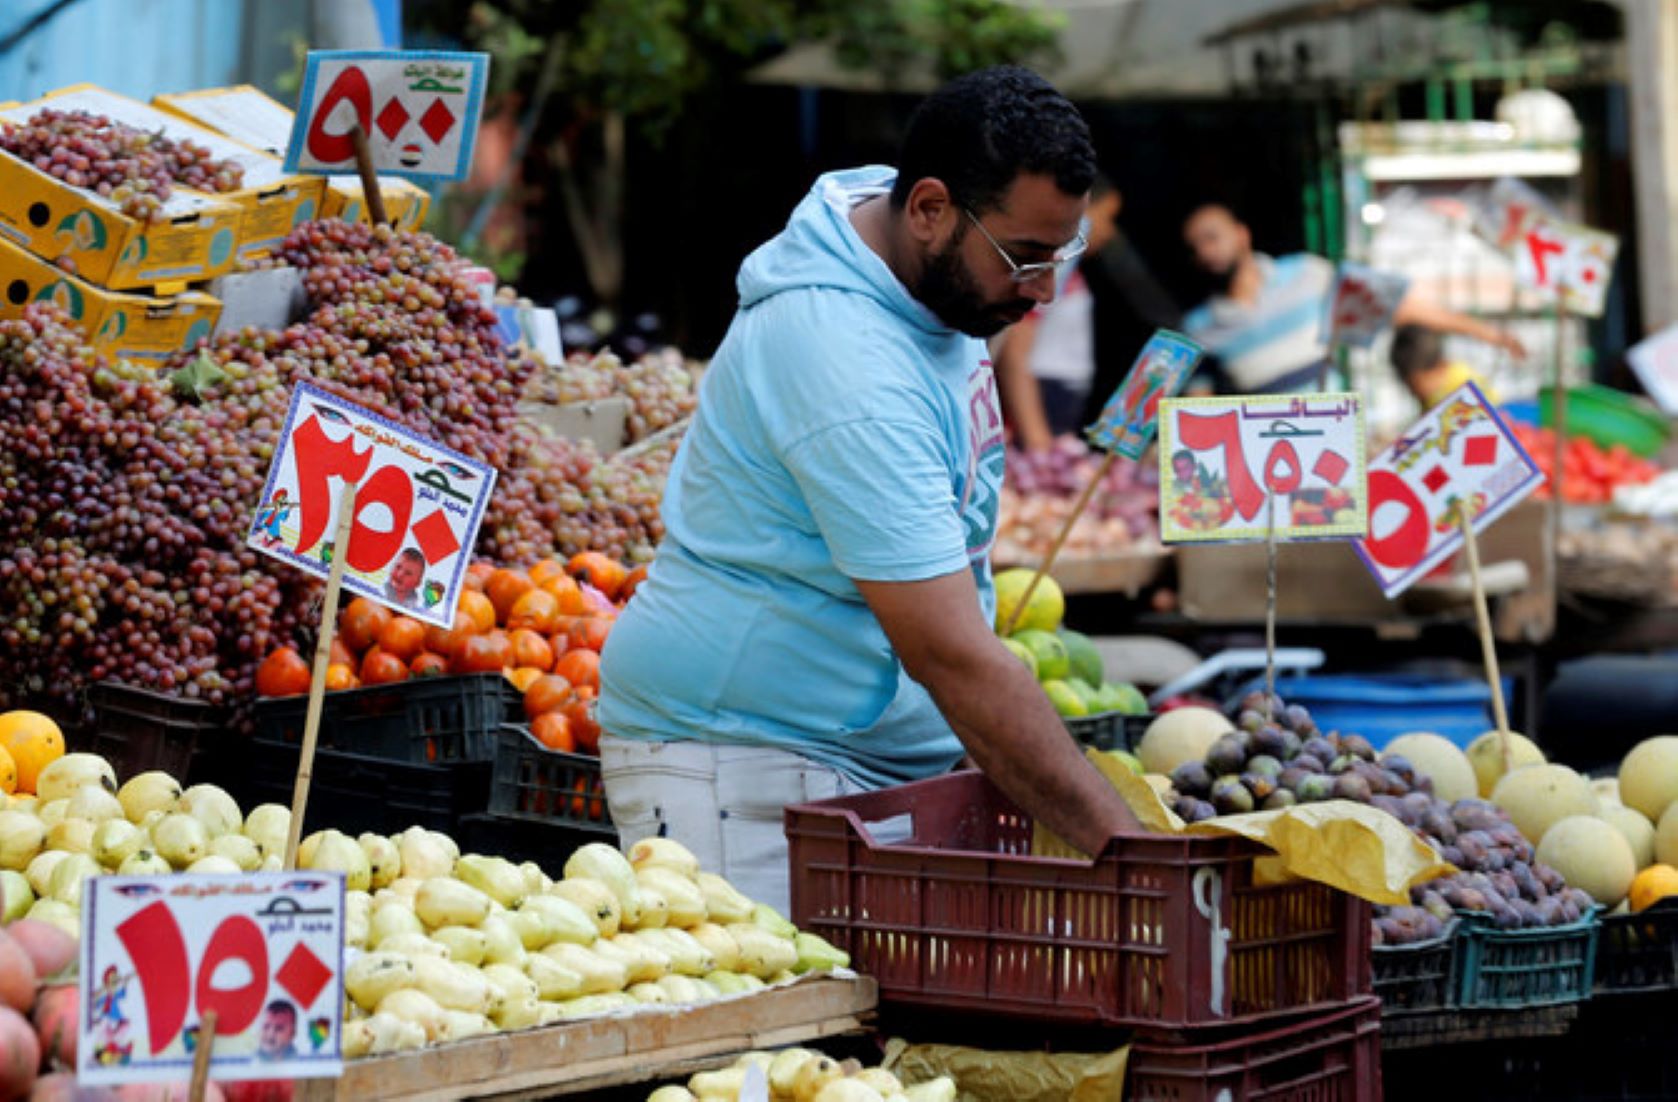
<point>1230,465</point>
<point>264,952</point>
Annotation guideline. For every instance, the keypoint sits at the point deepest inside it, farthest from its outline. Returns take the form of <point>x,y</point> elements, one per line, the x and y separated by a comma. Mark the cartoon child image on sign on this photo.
<point>279,1032</point>
<point>270,517</point>
<point>407,574</point>
<point>110,1024</point>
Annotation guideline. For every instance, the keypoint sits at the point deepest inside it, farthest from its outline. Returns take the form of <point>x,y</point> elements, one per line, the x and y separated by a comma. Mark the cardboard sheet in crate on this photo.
<point>654,1042</point>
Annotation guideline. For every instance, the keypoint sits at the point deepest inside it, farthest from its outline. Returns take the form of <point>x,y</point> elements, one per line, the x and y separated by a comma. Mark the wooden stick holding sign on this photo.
<point>1488,643</point>
<point>1125,429</point>
<point>1270,614</point>
<point>317,682</point>
<point>201,1057</point>
<point>1558,414</point>
<point>369,176</point>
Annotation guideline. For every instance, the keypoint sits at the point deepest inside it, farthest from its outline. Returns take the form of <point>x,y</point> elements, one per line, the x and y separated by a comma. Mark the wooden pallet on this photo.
<point>594,1054</point>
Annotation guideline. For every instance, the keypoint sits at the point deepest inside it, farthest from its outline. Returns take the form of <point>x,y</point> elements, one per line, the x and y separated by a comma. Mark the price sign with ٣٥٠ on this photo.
<point>419,110</point>
<point>1224,461</point>
<point>1460,455</point>
<point>417,508</point>
<point>264,951</point>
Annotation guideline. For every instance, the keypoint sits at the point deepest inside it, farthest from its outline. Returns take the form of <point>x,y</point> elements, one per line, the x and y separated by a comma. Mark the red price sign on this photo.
<point>1574,262</point>
<point>1363,304</point>
<point>417,508</point>
<point>418,109</point>
<point>1228,465</point>
<point>1459,456</point>
<point>263,951</point>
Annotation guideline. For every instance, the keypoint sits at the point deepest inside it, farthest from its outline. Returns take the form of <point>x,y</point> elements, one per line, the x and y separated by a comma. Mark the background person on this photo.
<point>1418,355</point>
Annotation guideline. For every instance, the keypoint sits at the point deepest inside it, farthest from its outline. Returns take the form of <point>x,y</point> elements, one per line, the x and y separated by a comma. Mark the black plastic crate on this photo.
<point>356,792</point>
<point>547,844</point>
<point>1418,978</point>
<point>1109,730</point>
<point>424,721</point>
<point>543,786</point>
<point>1639,952</point>
<point>138,730</point>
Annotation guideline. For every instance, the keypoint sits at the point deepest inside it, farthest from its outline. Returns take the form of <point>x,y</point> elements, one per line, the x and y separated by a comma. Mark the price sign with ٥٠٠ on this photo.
<point>1460,455</point>
<point>419,110</point>
<point>1222,461</point>
<point>417,508</point>
<point>265,951</point>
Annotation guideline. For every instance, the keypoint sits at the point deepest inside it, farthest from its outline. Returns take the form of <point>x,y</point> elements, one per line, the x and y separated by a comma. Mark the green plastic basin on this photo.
<point>1608,417</point>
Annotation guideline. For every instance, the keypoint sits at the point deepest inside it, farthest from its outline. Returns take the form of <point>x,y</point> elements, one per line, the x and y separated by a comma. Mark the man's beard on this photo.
<point>1219,283</point>
<point>947,288</point>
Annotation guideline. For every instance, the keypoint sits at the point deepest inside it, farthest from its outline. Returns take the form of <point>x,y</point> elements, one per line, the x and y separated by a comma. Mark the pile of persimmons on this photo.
<point>543,628</point>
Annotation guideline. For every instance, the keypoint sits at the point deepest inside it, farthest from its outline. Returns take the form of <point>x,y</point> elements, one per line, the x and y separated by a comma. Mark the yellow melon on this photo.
<point>1590,854</point>
<point>1180,735</point>
<point>1639,831</point>
<point>1439,758</point>
<point>1541,795</point>
<point>1486,755</point>
<point>1649,776</point>
<point>1666,837</point>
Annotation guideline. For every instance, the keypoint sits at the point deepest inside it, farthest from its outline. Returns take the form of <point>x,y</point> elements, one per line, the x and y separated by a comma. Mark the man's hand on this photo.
<point>996,708</point>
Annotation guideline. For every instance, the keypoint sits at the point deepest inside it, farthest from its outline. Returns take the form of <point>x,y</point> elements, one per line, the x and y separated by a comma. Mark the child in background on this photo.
<point>1418,355</point>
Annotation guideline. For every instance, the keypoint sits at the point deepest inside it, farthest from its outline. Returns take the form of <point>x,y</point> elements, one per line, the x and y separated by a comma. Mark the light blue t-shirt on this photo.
<point>843,432</point>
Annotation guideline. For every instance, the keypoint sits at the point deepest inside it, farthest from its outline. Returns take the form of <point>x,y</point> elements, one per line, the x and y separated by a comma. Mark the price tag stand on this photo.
<point>369,178</point>
<point>1270,613</point>
<point>317,681</point>
<point>1488,644</point>
<point>201,1058</point>
<point>1558,414</point>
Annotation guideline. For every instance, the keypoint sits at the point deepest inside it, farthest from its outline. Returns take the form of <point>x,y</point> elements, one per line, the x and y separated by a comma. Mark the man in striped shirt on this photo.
<point>1265,326</point>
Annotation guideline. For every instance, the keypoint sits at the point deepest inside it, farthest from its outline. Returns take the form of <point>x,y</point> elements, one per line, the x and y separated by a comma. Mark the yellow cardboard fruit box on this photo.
<point>135,326</point>
<point>248,115</point>
<point>272,201</point>
<point>195,239</point>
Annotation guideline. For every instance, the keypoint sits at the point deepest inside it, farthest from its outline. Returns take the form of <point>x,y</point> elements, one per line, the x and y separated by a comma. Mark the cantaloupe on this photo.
<point>1638,831</point>
<point>1485,754</point>
<point>1180,735</point>
<point>1590,854</point>
<point>1539,796</point>
<point>1666,837</point>
<point>1438,758</point>
<point>1649,776</point>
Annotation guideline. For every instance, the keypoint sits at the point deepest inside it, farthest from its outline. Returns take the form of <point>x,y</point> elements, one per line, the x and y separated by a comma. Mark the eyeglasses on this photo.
<point>1025,273</point>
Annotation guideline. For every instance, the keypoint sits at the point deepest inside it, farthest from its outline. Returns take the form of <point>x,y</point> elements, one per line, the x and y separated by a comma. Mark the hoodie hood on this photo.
<point>820,248</point>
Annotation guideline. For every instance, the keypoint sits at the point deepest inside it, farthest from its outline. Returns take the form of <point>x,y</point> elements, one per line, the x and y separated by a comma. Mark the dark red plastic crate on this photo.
<point>1162,931</point>
<point>1331,1056</point>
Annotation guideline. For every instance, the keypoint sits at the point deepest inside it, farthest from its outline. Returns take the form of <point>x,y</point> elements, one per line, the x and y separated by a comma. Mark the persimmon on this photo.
<point>403,637</point>
<point>590,633</point>
<point>504,588</point>
<point>580,713</point>
<point>600,571</point>
<point>361,622</point>
<point>538,610</point>
<point>474,612</point>
<point>489,653</point>
<point>282,673</point>
<point>530,648</point>
<point>380,667</point>
<point>428,664</point>
<point>339,653</point>
<point>547,693</point>
<point>476,575</point>
<point>631,582</point>
<point>545,570</point>
<point>553,731</point>
<point>569,594</point>
<point>580,667</point>
<point>340,675</point>
<point>522,677</point>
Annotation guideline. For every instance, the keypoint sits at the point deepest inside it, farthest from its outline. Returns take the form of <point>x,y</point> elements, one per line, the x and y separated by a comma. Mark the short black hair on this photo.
<point>981,130</point>
<point>280,1006</point>
<point>1415,349</point>
<point>412,553</point>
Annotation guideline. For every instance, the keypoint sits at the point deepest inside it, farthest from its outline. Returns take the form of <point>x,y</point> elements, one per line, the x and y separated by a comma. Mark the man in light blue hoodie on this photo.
<point>817,621</point>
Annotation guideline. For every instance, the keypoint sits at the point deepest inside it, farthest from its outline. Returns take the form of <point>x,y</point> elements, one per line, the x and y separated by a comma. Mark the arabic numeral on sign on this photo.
<point>370,550</point>
<point>1405,542</point>
<point>153,940</point>
<point>1283,454</point>
<point>1205,432</point>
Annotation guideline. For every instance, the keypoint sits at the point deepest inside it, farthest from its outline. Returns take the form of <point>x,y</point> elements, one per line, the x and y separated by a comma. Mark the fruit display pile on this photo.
<point>801,1075</point>
<point>444,945</point>
<point>1590,473</point>
<point>127,494</point>
<point>1039,493</point>
<point>1064,662</point>
<point>134,169</point>
<point>543,628</point>
<point>661,387</point>
<point>1513,866</point>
